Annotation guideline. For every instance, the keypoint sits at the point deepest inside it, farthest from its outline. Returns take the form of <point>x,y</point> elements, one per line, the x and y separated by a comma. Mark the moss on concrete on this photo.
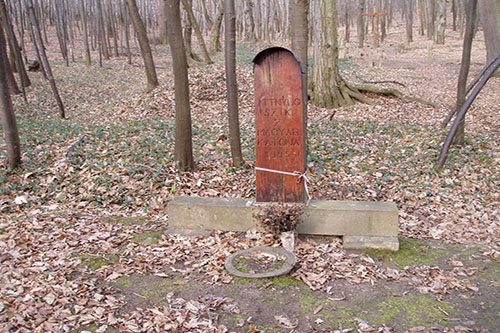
<point>95,262</point>
<point>411,252</point>
<point>148,237</point>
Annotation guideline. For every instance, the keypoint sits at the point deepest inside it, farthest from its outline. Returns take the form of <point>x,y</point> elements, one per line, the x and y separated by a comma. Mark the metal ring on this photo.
<point>285,269</point>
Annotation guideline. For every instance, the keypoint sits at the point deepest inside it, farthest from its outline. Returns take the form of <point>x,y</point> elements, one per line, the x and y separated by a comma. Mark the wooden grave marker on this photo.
<point>280,114</point>
<point>375,15</point>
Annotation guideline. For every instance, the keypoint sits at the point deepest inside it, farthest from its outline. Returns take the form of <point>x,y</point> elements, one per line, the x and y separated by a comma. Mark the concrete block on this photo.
<point>359,218</point>
<point>228,214</point>
<point>363,242</point>
<point>375,222</point>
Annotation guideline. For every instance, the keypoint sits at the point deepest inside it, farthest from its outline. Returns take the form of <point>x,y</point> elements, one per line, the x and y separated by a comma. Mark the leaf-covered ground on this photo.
<point>62,245</point>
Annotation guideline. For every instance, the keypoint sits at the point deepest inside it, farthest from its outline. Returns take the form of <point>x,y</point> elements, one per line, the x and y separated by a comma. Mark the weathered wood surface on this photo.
<point>280,126</point>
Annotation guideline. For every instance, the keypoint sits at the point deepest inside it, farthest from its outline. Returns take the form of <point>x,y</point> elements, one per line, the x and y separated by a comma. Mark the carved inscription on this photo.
<point>279,114</point>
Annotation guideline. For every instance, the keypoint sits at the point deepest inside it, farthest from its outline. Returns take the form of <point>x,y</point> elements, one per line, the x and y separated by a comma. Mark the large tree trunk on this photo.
<point>183,137</point>
<point>231,82</point>
<point>142,37</point>
<point>489,12</point>
<point>7,115</point>
<point>328,88</point>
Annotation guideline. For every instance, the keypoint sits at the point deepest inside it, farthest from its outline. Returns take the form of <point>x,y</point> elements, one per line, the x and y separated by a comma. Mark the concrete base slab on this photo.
<point>376,221</point>
<point>363,242</point>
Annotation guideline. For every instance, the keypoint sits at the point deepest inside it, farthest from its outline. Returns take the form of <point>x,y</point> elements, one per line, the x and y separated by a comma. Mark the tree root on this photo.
<point>389,91</point>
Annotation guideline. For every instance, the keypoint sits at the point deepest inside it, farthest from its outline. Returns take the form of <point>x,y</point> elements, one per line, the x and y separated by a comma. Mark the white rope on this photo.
<point>296,174</point>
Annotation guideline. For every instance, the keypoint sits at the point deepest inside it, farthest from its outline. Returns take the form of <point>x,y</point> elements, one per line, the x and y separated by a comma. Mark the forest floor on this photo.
<point>83,241</point>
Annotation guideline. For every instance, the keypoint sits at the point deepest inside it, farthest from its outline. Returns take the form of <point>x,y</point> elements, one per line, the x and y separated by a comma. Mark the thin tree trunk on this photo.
<point>299,32</point>
<point>162,22</point>
<point>127,33</point>
<point>25,80</point>
<point>60,28</point>
<point>440,29</point>
<point>361,23</point>
<point>197,31</point>
<point>113,28</point>
<point>346,19</point>
<point>8,118</point>
<point>215,44</point>
<point>83,15</point>
<point>464,67</point>
<point>231,82</point>
<point>38,40</point>
<point>183,136</point>
<point>142,37</point>
<point>9,75</point>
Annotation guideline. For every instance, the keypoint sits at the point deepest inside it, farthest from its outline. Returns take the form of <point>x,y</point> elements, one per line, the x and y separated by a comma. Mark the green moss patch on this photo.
<point>409,311</point>
<point>148,237</point>
<point>411,252</point>
<point>95,262</point>
<point>491,271</point>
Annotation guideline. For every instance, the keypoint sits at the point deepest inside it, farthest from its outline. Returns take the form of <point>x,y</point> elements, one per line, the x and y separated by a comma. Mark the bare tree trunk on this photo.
<point>440,28</point>
<point>423,22</point>
<point>103,38</point>
<point>9,75</point>
<point>183,133</point>
<point>346,19</point>
<point>197,31</point>
<point>328,88</point>
<point>299,32</point>
<point>205,14</point>
<point>114,30</point>
<point>142,37</point>
<point>14,45</point>
<point>249,20</point>
<point>215,44</point>
<point>361,23</point>
<point>464,67</point>
<point>258,20</point>
<point>162,22</point>
<point>489,11</point>
<point>231,82</point>
<point>408,13</point>
<point>38,40</point>
<point>7,116</point>
<point>127,33</point>
<point>454,14</point>
<point>430,14</point>
<point>61,37</point>
<point>83,15</point>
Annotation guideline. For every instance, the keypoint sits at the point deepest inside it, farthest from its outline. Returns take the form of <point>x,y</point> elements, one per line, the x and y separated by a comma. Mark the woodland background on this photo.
<point>104,150</point>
